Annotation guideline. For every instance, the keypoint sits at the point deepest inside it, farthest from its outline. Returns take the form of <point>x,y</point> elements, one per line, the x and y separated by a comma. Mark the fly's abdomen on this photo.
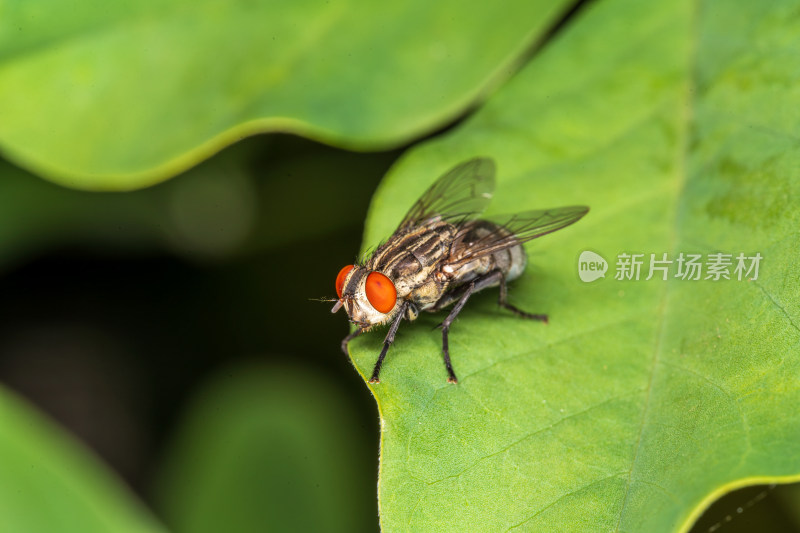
<point>510,261</point>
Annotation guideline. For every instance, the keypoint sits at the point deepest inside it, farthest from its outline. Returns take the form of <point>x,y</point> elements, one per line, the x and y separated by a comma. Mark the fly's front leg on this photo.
<point>503,302</point>
<point>350,337</point>
<point>388,342</point>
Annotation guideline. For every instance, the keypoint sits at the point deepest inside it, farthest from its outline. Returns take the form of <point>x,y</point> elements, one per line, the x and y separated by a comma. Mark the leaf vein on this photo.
<point>537,432</point>
<point>563,496</point>
<point>680,178</point>
<point>776,304</point>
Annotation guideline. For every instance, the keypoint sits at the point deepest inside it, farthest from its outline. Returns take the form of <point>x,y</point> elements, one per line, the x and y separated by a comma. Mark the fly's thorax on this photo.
<point>411,258</point>
<point>357,304</point>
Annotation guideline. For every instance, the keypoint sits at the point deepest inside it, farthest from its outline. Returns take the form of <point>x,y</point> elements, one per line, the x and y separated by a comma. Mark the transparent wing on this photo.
<point>509,230</point>
<point>461,193</point>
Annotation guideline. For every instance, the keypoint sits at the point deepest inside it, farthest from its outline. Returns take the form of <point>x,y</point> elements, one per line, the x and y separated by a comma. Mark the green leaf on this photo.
<point>121,95</point>
<point>641,401</point>
<point>49,483</point>
<point>268,448</point>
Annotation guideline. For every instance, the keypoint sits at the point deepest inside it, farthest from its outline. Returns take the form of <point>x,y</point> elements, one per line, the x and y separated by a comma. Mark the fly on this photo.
<point>442,253</point>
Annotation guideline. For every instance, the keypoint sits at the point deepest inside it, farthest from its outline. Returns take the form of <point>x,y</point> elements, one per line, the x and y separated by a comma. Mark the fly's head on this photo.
<point>368,297</point>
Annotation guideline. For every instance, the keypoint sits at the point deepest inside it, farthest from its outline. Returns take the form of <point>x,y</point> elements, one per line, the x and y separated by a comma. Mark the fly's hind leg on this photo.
<point>460,296</point>
<point>451,376</point>
<point>503,302</point>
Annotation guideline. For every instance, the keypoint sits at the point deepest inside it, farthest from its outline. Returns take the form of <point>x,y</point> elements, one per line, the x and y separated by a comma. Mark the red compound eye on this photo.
<point>381,292</point>
<point>341,277</point>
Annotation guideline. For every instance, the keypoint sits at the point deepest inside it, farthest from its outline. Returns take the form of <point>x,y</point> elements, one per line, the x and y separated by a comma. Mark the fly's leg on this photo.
<point>503,302</point>
<point>388,342</point>
<point>462,293</point>
<point>350,337</point>
<point>451,376</point>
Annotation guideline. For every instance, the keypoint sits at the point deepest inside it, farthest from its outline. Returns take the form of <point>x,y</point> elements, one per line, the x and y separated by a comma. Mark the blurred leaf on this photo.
<point>35,215</point>
<point>641,401</point>
<point>268,449</point>
<point>122,95</point>
<point>236,203</point>
<point>48,483</point>
<point>753,508</point>
<point>789,496</point>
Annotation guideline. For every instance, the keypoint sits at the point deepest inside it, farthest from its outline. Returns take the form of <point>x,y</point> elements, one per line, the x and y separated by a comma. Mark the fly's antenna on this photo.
<point>324,299</point>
